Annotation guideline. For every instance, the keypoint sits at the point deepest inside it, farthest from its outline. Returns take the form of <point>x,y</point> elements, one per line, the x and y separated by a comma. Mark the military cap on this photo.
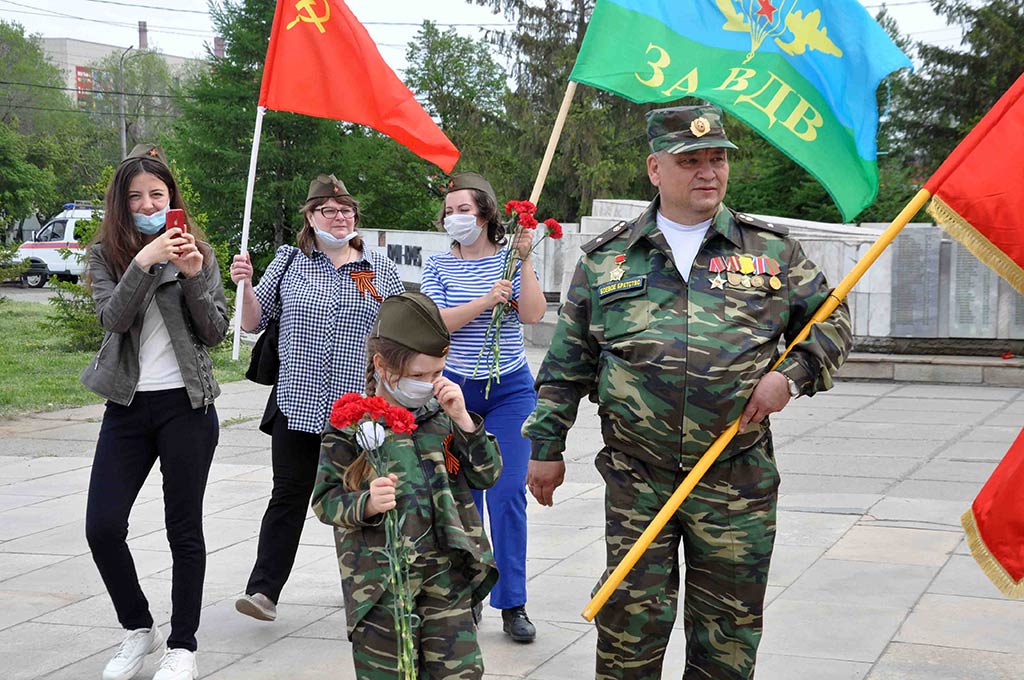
<point>145,150</point>
<point>686,128</point>
<point>326,186</point>
<point>472,180</point>
<point>414,321</point>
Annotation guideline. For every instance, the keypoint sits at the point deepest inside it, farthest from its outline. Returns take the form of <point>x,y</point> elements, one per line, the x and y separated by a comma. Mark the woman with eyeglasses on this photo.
<point>331,287</point>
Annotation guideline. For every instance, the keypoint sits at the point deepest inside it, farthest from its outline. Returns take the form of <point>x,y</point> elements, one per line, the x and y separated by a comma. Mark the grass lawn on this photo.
<point>37,372</point>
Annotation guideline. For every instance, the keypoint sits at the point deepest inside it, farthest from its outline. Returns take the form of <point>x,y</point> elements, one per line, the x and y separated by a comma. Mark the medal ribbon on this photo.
<point>364,282</point>
<point>451,462</point>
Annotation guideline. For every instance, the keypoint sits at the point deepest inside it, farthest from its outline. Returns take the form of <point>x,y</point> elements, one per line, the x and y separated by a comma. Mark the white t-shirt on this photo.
<point>158,367</point>
<point>684,240</point>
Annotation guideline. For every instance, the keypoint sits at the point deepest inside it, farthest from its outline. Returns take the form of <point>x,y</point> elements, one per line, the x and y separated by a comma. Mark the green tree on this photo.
<point>57,138</point>
<point>600,154</point>
<point>459,83</point>
<point>23,186</point>
<point>151,94</point>
<point>955,87</point>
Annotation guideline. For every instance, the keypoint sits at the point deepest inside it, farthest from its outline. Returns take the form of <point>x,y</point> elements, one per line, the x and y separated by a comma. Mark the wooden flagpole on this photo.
<point>711,455</point>
<point>556,133</point>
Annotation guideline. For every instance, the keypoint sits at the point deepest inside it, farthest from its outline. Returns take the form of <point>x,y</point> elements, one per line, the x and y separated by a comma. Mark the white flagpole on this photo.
<point>244,247</point>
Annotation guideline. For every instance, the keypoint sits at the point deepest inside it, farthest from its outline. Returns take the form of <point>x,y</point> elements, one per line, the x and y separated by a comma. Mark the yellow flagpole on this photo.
<point>711,455</point>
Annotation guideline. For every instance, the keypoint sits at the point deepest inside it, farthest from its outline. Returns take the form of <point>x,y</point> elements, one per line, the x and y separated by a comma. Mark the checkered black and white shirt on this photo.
<point>326,315</point>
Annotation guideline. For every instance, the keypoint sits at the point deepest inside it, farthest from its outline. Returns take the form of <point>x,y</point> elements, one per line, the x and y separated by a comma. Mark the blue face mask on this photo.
<point>328,240</point>
<point>151,224</point>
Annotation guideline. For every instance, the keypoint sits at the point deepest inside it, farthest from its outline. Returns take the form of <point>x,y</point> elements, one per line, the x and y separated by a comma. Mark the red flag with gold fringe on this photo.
<point>978,192</point>
<point>978,198</point>
<point>322,62</point>
<point>995,523</point>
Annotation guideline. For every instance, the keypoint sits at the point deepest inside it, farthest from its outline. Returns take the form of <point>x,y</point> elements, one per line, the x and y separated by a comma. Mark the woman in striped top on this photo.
<point>466,283</point>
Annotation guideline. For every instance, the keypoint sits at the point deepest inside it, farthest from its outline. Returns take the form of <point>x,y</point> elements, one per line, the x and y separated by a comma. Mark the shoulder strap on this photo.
<point>603,238</point>
<point>752,221</point>
<point>291,256</point>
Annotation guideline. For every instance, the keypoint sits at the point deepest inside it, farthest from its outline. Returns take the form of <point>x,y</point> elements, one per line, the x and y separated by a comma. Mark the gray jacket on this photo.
<point>193,309</point>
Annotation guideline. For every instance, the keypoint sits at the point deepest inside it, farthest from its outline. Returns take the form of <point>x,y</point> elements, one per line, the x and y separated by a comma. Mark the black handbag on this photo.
<point>264,361</point>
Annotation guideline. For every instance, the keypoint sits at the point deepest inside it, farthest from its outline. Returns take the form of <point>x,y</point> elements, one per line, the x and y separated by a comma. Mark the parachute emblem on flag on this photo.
<point>311,16</point>
<point>775,21</point>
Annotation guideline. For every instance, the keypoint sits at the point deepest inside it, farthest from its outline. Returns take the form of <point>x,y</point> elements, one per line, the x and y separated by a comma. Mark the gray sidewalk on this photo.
<point>871,576</point>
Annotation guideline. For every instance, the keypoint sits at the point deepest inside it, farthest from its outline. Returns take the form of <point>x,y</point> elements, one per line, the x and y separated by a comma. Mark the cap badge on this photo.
<point>153,152</point>
<point>700,126</point>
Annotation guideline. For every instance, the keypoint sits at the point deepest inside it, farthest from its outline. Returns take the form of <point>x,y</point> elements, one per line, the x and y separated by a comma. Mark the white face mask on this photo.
<point>329,241</point>
<point>408,392</point>
<point>462,228</point>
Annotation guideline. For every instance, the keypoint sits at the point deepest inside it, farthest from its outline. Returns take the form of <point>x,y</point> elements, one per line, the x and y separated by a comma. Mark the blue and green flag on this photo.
<point>803,73</point>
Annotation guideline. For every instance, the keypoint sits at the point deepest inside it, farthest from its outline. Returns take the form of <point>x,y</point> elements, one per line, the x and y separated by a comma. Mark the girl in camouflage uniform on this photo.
<point>428,483</point>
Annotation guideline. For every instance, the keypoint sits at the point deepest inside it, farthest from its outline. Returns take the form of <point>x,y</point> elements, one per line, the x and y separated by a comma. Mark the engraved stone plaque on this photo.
<point>915,282</point>
<point>973,295</point>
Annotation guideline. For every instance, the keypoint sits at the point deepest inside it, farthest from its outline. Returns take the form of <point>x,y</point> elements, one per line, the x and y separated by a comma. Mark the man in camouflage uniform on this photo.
<point>436,466</point>
<point>671,324</point>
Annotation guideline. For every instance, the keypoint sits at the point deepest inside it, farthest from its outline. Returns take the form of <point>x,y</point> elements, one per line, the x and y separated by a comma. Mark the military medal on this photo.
<point>746,268</point>
<point>618,272</point>
<point>760,267</point>
<point>774,269</point>
<point>716,267</point>
<point>732,266</point>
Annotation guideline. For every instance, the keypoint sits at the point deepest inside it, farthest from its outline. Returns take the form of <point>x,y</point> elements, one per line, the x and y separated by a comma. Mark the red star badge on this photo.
<point>154,153</point>
<point>767,10</point>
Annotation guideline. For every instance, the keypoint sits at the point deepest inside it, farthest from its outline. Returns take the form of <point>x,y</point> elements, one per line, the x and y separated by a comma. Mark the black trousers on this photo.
<point>162,426</point>
<point>294,458</point>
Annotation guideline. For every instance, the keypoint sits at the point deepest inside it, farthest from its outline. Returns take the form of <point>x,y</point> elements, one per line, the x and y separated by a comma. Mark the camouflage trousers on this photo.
<point>445,636</point>
<point>726,527</point>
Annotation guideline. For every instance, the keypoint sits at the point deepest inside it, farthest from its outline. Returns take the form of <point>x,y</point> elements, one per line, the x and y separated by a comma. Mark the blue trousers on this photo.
<point>509,404</point>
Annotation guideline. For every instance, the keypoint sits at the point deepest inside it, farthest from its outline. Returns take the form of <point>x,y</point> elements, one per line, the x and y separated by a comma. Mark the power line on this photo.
<point>93,113</point>
<point>179,30</point>
<point>162,9</point>
<point>92,91</point>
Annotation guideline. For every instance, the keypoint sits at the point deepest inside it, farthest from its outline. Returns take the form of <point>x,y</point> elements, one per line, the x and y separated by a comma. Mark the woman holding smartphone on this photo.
<point>160,300</point>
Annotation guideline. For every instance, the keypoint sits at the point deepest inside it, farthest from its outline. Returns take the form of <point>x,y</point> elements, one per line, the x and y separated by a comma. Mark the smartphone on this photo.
<point>176,218</point>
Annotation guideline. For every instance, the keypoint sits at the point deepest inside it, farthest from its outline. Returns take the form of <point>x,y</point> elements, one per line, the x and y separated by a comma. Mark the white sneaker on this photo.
<point>127,662</point>
<point>177,664</point>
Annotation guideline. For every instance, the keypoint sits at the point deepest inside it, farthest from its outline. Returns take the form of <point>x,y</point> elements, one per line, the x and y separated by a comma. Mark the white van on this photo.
<point>44,251</point>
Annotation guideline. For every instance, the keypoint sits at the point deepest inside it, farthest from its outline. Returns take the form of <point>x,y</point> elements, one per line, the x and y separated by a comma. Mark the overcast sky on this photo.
<point>184,27</point>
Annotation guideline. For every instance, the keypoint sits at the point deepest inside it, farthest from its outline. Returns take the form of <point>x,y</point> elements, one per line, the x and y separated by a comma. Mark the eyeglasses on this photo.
<point>330,213</point>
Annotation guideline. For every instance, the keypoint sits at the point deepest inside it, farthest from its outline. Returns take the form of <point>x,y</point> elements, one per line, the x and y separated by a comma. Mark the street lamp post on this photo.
<point>121,118</point>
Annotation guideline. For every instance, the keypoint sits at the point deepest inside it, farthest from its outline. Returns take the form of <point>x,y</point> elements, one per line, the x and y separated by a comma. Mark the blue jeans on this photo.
<point>510,402</point>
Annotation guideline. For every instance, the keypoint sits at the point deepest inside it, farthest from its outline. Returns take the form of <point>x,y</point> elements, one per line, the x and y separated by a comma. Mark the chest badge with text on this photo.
<point>625,288</point>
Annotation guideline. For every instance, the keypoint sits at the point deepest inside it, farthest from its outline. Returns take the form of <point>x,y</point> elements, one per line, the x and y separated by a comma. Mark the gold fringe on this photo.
<point>983,249</point>
<point>988,562</point>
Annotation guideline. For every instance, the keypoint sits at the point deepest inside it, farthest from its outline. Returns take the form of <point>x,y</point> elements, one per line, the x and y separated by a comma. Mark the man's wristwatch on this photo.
<point>794,389</point>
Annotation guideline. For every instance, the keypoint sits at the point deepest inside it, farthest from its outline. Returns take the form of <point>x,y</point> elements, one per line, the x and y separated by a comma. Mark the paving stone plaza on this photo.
<point>871,577</point>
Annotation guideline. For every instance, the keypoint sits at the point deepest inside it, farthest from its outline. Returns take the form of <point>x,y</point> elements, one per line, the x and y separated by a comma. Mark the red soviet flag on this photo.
<point>995,523</point>
<point>321,62</point>
<point>978,197</point>
<point>978,192</point>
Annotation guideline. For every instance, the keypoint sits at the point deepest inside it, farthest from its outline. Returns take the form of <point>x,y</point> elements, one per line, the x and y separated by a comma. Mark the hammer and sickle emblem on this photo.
<point>700,126</point>
<point>311,16</point>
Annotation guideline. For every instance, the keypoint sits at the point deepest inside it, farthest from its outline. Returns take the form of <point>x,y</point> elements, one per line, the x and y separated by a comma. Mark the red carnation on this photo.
<point>510,206</point>
<point>554,229</point>
<point>347,411</point>
<point>400,420</point>
<point>526,207</point>
<point>527,220</point>
<point>376,407</point>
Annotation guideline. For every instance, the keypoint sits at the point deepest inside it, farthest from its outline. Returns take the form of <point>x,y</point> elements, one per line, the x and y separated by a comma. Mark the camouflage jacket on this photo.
<point>436,468</point>
<point>671,364</point>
